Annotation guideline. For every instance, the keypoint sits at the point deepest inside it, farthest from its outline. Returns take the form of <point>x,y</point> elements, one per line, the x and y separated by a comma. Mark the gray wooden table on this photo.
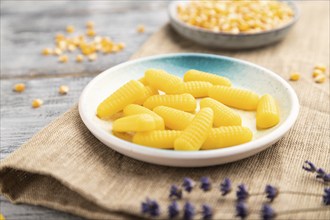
<point>29,26</point>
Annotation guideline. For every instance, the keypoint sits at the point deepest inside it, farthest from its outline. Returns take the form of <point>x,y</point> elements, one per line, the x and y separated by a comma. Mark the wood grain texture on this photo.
<point>29,26</point>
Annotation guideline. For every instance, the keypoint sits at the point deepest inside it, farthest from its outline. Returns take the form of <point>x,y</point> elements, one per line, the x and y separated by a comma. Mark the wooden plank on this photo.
<point>27,27</point>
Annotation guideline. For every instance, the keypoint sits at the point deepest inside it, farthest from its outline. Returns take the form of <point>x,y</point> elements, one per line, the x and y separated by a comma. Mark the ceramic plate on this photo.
<point>242,74</point>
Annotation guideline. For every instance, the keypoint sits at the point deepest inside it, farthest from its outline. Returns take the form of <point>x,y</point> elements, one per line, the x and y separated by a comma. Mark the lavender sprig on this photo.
<point>188,211</point>
<point>175,192</point>
<point>242,194</point>
<point>241,210</point>
<point>205,184</point>
<point>225,187</point>
<point>320,173</point>
<point>271,192</point>
<point>173,210</point>
<point>188,184</point>
<point>267,212</point>
<point>309,167</point>
<point>326,196</point>
<point>207,212</point>
<point>150,207</point>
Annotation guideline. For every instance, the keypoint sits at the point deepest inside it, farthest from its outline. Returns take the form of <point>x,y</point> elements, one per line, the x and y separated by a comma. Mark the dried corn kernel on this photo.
<point>79,58</point>
<point>320,67</point>
<point>121,45</point>
<point>140,28</point>
<point>235,97</point>
<point>19,87</point>
<point>63,58</point>
<point>70,29</point>
<point>193,137</point>
<point>125,95</point>
<point>63,90</point>
<point>317,72</point>
<point>90,32</point>
<point>294,76</point>
<point>267,112</point>
<point>58,51</point>
<point>195,75</point>
<point>227,136</point>
<point>62,45</point>
<point>90,24</point>
<point>47,51</point>
<point>92,57</point>
<point>72,47</point>
<point>134,109</point>
<point>134,123</point>
<point>148,91</point>
<point>320,79</point>
<point>2,217</point>
<point>184,102</point>
<point>173,118</point>
<point>161,80</point>
<point>197,89</point>
<point>157,139</point>
<point>223,115</point>
<point>37,103</point>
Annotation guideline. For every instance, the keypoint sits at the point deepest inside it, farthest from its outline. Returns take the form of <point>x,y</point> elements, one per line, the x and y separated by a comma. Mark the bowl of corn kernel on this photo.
<point>233,24</point>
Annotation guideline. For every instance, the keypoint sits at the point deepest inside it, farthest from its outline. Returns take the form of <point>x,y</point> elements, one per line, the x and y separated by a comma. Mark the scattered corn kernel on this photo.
<point>37,103</point>
<point>58,51</point>
<point>140,28</point>
<point>2,217</point>
<point>121,45</point>
<point>63,90</point>
<point>294,76</point>
<point>317,72</point>
<point>320,78</point>
<point>72,47</point>
<point>320,67</point>
<point>92,57</point>
<point>90,24</point>
<point>63,58</point>
<point>19,87</point>
<point>70,29</point>
<point>46,51</point>
<point>90,32</point>
<point>79,58</point>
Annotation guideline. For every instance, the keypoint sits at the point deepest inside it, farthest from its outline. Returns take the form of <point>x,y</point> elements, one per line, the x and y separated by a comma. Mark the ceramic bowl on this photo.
<point>242,74</point>
<point>227,40</point>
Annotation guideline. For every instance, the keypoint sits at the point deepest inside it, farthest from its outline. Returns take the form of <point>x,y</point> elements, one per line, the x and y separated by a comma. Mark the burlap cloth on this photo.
<point>65,167</point>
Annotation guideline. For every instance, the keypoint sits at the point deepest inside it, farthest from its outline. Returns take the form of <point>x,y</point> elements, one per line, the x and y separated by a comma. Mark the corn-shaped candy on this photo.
<point>143,80</point>
<point>193,137</point>
<point>195,75</point>
<point>123,135</point>
<point>125,95</point>
<point>173,118</point>
<point>227,136</point>
<point>163,81</point>
<point>134,109</point>
<point>148,91</point>
<point>223,115</point>
<point>184,102</point>
<point>196,88</point>
<point>157,139</point>
<point>235,97</point>
<point>135,123</point>
<point>267,112</point>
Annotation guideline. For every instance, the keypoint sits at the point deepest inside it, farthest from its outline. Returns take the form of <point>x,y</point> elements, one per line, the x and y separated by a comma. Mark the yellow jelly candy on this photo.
<point>148,91</point>
<point>125,95</point>
<point>227,136</point>
<point>184,102</point>
<point>196,88</point>
<point>235,97</point>
<point>143,80</point>
<point>267,112</point>
<point>157,139</point>
<point>174,119</point>
<point>223,115</point>
<point>134,109</point>
<point>193,137</point>
<point>135,123</point>
<point>123,135</point>
<point>163,81</point>
<point>195,75</point>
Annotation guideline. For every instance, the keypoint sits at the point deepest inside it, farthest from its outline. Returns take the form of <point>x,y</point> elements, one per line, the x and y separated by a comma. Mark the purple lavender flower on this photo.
<point>267,212</point>
<point>271,192</point>
<point>150,207</point>
<point>225,186</point>
<point>241,210</point>
<point>175,192</point>
<point>242,194</point>
<point>309,166</point>
<point>188,184</point>
<point>326,196</point>
<point>207,212</point>
<point>326,178</point>
<point>188,211</point>
<point>320,173</point>
<point>205,184</point>
<point>173,210</point>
